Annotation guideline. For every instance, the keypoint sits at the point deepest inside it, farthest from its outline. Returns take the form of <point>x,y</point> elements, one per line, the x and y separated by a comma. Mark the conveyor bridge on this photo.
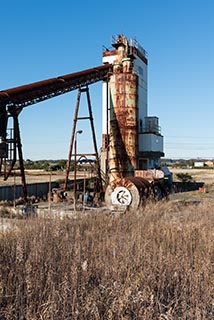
<point>13,100</point>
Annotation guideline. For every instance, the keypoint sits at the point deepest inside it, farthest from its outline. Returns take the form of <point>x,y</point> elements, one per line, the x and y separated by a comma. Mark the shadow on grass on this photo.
<point>186,186</point>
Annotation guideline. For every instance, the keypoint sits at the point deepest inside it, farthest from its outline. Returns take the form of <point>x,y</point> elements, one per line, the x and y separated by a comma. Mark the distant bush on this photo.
<point>184,177</point>
<point>156,264</point>
<point>47,165</point>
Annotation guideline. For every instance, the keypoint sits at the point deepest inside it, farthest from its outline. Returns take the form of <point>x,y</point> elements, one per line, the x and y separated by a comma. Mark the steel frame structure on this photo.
<point>12,102</point>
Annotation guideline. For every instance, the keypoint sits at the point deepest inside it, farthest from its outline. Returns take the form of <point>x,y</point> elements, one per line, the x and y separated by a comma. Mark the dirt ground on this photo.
<point>199,175</point>
<point>34,176</point>
<point>205,176</point>
<point>205,195</point>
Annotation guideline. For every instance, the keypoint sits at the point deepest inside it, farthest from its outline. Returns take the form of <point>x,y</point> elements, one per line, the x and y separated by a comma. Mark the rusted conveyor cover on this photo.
<point>39,91</point>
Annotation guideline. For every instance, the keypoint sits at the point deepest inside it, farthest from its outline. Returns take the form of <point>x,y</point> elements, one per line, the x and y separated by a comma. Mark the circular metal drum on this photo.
<point>128,192</point>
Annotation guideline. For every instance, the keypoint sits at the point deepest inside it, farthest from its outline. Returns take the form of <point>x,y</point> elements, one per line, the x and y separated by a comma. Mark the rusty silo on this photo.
<point>124,120</point>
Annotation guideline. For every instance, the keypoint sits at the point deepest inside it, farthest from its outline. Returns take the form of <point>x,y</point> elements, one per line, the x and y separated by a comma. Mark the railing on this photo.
<point>132,43</point>
<point>135,43</point>
<point>151,129</point>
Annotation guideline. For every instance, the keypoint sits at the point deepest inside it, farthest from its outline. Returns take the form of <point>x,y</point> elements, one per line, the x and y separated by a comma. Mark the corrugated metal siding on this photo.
<point>33,189</point>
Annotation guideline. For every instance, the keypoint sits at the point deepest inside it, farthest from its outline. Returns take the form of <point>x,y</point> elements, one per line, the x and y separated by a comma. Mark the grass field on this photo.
<point>156,263</point>
<point>199,175</point>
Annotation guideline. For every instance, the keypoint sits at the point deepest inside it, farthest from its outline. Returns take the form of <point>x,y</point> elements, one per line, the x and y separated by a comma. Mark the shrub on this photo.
<point>184,177</point>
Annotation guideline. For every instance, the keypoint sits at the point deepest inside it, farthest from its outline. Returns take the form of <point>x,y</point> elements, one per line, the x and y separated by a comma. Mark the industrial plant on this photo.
<point>128,169</point>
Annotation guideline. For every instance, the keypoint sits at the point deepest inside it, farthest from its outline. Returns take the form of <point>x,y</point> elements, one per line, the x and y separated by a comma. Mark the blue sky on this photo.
<point>43,39</point>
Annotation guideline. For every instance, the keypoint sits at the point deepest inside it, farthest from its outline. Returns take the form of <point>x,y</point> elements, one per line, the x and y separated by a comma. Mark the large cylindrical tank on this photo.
<point>123,123</point>
<point>128,192</point>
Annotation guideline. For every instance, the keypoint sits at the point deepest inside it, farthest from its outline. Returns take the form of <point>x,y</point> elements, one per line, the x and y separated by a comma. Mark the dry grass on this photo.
<point>156,264</point>
<point>199,175</point>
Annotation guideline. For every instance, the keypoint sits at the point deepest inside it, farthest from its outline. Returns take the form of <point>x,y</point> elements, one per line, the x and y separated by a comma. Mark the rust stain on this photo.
<point>143,186</point>
<point>39,91</point>
<point>123,122</point>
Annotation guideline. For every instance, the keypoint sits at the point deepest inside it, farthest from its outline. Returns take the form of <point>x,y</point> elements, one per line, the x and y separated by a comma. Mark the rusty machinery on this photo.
<point>12,102</point>
<point>126,186</point>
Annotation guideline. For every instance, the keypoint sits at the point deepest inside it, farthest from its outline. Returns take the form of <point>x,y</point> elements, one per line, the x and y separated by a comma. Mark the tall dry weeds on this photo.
<point>152,264</point>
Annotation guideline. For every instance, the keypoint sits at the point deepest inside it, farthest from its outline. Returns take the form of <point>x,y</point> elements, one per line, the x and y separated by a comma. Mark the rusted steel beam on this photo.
<point>72,140</point>
<point>94,140</point>
<point>21,161</point>
<point>29,94</point>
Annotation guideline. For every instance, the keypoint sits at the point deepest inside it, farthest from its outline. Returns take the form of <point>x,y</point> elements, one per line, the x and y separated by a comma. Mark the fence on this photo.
<point>13,192</point>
